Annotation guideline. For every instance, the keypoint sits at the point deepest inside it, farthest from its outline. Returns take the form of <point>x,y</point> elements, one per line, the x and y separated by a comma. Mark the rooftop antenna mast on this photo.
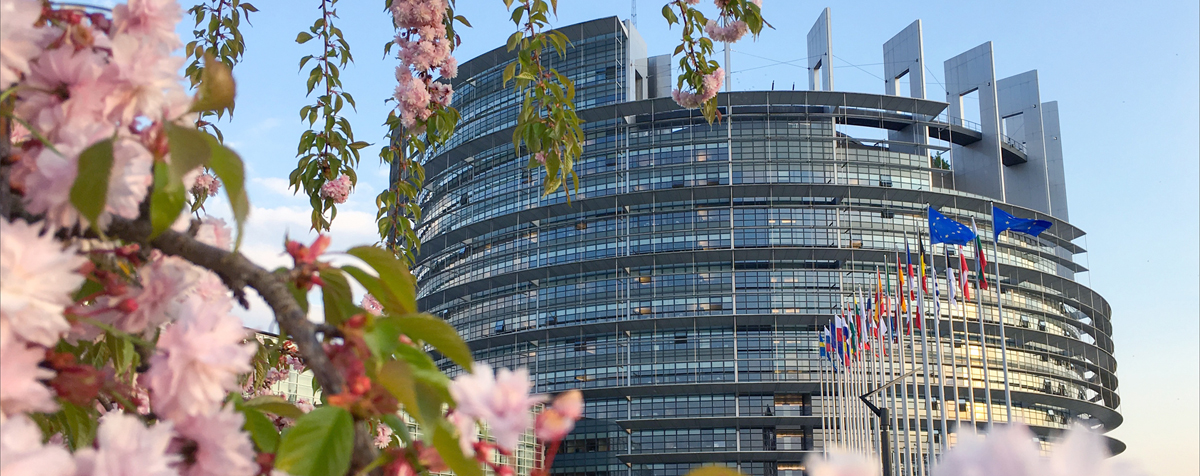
<point>633,12</point>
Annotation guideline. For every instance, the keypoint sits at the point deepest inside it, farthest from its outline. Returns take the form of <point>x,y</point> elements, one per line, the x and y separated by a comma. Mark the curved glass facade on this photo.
<point>684,286</point>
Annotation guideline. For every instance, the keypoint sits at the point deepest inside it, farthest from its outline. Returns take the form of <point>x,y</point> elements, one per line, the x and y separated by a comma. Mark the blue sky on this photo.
<point>1126,77</point>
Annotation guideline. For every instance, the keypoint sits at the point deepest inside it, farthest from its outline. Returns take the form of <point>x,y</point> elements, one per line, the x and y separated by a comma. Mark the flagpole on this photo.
<point>876,369</point>
<point>937,338</point>
<point>952,303</point>
<point>907,427</point>
<point>1003,338</point>
<point>824,393</point>
<point>923,314</point>
<point>979,277</point>
<point>910,295</point>
<point>966,338</point>
<point>964,277</point>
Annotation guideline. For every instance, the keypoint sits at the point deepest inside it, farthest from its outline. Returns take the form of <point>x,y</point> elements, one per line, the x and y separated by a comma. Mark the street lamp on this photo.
<point>885,455</point>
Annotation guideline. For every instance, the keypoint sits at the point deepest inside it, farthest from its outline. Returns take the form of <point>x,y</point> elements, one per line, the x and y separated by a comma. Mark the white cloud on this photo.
<point>275,185</point>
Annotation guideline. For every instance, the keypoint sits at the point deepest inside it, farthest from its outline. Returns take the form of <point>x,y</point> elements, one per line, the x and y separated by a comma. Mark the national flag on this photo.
<point>951,284</point>
<point>937,296</point>
<point>899,284</point>
<point>944,230</point>
<point>912,292</point>
<point>1002,220</point>
<point>962,275</point>
<point>980,259</point>
<point>879,308</point>
<point>824,350</point>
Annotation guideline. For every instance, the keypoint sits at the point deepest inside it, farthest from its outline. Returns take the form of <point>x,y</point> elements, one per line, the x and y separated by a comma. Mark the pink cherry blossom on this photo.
<point>842,462</point>
<point>337,189</point>
<point>222,448</point>
<point>415,13</point>
<point>372,305</point>
<point>198,361</point>
<point>730,33</point>
<point>501,400</point>
<point>424,47</point>
<point>711,85</point>
<point>165,280</point>
<point>215,232</point>
<point>47,175</point>
<point>206,185</point>
<point>441,93</point>
<point>37,277</point>
<point>557,421</point>
<point>66,87</point>
<point>468,430</point>
<point>449,68</point>
<point>153,20</point>
<point>21,387</point>
<point>383,436</point>
<point>144,75</point>
<point>126,447</point>
<point>1005,451</point>
<point>19,38</point>
<point>22,451</point>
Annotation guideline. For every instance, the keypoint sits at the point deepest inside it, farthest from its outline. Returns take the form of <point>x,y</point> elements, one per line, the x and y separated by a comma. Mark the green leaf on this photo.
<point>447,446</point>
<point>374,286</point>
<point>167,201</point>
<point>383,337</point>
<point>189,149</point>
<point>438,333</point>
<point>397,377</point>
<point>229,168</point>
<point>80,425</point>
<point>261,430</point>
<point>274,405</point>
<point>394,275</point>
<point>339,305</point>
<point>90,191</point>
<point>303,38</point>
<point>319,444</point>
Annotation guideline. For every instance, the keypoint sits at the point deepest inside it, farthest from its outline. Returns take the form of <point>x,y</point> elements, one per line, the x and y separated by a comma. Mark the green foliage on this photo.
<point>696,48</point>
<point>398,208</point>
<point>217,35</point>
<point>190,149</point>
<point>548,129</point>
<point>319,444</point>
<point>90,190</point>
<point>274,405</point>
<point>328,148</point>
<point>261,430</point>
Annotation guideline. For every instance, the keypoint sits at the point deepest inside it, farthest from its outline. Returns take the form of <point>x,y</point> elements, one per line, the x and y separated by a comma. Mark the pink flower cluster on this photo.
<point>372,305</point>
<point>206,185</point>
<point>729,33</point>
<point>84,79</point>
<point>424,48</point>
<point>500,399</point>
<point>709,88</point>
<point>337,189</point>
<point>37,277</point>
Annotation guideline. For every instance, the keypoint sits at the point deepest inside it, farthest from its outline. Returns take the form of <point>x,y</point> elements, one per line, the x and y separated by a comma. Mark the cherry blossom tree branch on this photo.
<point>235,270</point>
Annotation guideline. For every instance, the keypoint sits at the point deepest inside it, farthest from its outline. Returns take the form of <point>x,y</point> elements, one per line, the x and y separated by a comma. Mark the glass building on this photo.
<point>683,287</point>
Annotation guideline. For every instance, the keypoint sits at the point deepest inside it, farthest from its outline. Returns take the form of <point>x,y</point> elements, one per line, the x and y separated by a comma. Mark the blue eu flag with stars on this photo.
<point>1002,220</point>
<point>944,230</point>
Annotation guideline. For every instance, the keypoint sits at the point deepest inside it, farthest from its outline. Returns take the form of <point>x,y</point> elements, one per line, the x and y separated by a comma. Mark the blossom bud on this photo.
<point>357,321</point>
<point>360,385</point>
<point>128,305</point>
